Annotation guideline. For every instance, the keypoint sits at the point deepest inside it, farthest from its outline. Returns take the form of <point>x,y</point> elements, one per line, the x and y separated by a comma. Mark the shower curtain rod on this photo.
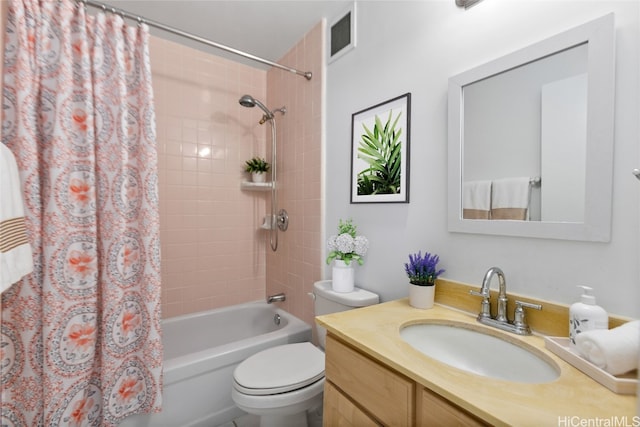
<point>141,20</point>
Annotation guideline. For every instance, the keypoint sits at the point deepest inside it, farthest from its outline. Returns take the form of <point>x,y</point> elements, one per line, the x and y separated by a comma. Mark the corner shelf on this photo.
<point>256,186</point>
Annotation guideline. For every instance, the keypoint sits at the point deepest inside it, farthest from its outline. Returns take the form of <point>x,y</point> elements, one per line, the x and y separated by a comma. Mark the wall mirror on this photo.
<point>531,139</point>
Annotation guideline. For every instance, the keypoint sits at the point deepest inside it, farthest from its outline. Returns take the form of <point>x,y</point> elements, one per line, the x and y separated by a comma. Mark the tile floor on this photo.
<point>314,418</point>
<point>244,421</point>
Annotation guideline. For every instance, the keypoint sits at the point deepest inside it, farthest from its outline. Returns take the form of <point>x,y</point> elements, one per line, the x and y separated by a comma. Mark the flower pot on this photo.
<point>343,276</point>
<point>258,177</point>
<point>421,296</point>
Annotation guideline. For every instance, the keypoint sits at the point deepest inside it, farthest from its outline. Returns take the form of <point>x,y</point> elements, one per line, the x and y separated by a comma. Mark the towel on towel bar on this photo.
<point>476,200</point>
<point>510,198</point>
<point>16,259</point>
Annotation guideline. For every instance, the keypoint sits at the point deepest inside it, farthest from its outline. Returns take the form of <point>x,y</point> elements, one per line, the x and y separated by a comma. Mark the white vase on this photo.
<point>421,296</point>
<point>343,276</point>
<point>258,177</point>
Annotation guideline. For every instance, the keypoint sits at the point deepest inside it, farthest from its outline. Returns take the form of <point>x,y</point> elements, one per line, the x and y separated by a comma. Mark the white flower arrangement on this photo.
<point>347,246</point>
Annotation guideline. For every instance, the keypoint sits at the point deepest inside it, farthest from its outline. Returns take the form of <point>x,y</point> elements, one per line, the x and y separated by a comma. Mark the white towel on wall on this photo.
<point>16,259</point>
<point>477,195</point>
<point>614,350</point>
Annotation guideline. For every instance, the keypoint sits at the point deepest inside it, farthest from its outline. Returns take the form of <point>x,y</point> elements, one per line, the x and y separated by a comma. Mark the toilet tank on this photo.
<point>327,301</point>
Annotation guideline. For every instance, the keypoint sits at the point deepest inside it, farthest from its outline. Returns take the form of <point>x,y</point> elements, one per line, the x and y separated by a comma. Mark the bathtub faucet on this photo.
<point>276,298</point>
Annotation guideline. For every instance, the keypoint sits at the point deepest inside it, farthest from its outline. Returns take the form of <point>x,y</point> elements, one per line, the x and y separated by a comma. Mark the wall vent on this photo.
<point>342,34</point>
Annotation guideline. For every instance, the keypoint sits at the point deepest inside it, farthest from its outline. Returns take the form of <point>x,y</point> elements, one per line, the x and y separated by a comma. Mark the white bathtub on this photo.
<point>201,351</point>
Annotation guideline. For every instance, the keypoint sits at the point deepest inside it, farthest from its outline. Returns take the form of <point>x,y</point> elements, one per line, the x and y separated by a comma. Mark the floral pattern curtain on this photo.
<point>80,340</point>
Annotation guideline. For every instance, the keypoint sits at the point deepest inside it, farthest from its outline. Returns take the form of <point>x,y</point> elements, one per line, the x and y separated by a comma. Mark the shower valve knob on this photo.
<point>282,220</point>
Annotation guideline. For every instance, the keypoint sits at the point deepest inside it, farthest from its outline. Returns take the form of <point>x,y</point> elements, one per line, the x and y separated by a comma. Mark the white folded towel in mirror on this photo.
<point>510,198</point>
<point>476,199</point>
<point>510,193</point>
<point>614,350</point>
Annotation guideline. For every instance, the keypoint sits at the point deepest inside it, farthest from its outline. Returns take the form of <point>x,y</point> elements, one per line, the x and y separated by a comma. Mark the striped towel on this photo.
<point>16,259</point>
<point>510,198</point>
<point>476,200</point>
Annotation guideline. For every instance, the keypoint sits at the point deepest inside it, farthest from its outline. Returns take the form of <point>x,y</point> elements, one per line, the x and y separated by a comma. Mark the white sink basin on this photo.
<point>480,353</point>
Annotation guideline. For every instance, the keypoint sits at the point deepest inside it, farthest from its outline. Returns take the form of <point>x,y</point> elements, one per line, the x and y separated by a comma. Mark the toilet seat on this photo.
<point>280,369</point>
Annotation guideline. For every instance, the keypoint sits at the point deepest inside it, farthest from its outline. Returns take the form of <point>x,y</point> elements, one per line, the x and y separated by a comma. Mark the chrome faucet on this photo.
<point>276,298</point>
<point>501,321</point>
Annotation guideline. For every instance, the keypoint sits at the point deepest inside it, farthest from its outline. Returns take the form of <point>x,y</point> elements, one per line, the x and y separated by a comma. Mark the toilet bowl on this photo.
<point>281,384</point>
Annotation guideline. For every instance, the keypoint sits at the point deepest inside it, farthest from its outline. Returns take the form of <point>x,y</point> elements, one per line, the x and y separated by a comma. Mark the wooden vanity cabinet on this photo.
<point>360,391</point>
<point>378,392</point>
<point>339,410</point>
<point>435,411</point>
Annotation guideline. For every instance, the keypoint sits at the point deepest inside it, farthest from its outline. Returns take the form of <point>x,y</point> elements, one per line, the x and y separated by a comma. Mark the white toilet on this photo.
<point>282,383</point>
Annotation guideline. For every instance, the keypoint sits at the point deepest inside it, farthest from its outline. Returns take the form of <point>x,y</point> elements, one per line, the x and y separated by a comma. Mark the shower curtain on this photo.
<point>80,341</point>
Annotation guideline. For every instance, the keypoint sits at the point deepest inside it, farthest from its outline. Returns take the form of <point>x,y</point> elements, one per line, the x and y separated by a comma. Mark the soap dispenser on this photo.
<point>586,315</point>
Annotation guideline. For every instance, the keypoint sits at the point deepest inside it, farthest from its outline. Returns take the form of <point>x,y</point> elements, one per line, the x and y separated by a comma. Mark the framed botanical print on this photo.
<point>380,152</point>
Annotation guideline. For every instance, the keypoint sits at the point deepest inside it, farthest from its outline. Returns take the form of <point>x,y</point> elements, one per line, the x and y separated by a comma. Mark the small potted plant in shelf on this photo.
<point>422,272</point>
<point>257,167</point>
<point>344,248</point>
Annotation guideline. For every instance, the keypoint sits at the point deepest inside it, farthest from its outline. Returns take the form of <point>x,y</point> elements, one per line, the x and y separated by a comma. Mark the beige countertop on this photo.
<point>566,401</point>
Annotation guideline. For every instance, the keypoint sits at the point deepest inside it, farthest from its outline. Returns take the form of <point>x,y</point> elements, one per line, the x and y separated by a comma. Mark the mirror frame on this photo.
<point>599,35</point>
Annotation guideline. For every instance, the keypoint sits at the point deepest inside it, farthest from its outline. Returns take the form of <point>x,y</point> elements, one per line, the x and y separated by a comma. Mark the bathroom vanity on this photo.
<point>373,391</point>
<point>374,377</point>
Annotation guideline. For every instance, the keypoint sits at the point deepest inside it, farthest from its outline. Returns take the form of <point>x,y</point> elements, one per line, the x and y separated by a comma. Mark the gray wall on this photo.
<point>415,47</point>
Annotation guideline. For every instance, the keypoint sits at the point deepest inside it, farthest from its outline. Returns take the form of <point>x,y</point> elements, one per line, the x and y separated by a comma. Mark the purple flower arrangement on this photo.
<point>422,270</point>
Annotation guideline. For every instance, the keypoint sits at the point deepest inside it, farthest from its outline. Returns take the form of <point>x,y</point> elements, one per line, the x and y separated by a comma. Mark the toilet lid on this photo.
<point>280,369</point>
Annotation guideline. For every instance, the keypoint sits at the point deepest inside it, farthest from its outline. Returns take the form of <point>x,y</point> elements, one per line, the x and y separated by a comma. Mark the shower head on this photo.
<point>247,101</point>
<point>250,101</point>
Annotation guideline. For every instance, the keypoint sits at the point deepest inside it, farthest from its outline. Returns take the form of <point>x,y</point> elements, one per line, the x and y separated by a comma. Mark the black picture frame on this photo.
<point>380,143</point>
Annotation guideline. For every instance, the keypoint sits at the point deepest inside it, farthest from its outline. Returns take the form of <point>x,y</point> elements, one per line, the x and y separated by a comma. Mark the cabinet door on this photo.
<point>383,393</point>
<point>435,411</point>
<point>339,411</point>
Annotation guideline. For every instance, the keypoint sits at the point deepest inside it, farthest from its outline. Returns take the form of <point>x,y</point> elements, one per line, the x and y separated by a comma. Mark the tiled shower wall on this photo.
<point>212,251</point>
<point>298,262</point>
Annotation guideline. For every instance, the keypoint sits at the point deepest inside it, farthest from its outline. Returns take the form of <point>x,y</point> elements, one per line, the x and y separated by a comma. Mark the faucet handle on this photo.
<point>479,294</point>
<point>485,308</point>
<point>528,305</point>
<point>519,316</point>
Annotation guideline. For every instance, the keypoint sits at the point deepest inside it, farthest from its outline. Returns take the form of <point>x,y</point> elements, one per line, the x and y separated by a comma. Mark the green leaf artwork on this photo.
<point>381,149</point>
